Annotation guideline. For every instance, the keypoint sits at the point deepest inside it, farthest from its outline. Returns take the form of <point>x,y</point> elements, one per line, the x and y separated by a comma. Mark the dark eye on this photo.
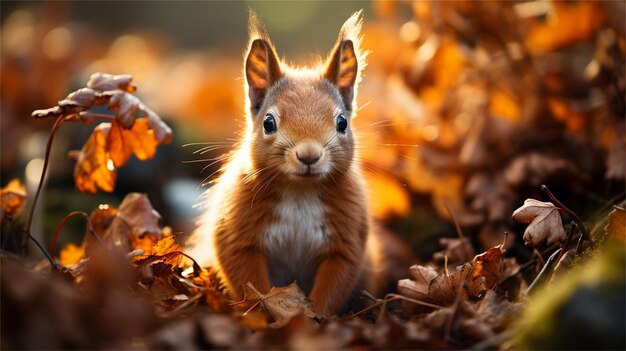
<point>342,124</point>
<point>269,124</point>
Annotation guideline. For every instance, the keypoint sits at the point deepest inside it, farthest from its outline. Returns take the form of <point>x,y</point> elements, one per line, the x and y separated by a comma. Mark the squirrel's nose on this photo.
<point>308,159</point>
<point>308,153</point>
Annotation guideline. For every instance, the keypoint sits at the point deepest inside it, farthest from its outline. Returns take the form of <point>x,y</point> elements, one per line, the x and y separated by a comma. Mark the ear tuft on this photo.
<point>347,60</point>
<point>262,67</point>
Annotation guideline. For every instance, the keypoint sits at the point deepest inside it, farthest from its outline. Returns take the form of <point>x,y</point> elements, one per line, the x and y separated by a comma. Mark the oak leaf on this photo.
<point>545,222</point>
<point>94,168</point>
<point>12,199</point>
<point>280,303</point>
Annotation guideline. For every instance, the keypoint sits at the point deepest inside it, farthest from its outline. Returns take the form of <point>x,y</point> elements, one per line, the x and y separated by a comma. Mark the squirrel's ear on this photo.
<point>262,65</point>
<point>343,67</point>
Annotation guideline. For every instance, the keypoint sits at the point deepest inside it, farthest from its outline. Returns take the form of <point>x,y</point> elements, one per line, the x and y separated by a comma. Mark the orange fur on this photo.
<point>270,218</point>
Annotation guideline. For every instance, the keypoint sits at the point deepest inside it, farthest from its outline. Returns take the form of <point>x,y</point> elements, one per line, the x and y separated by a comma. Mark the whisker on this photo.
<point>363,106</point>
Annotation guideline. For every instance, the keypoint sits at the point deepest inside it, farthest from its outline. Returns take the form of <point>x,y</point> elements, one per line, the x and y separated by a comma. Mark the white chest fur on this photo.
<point>294,240</point>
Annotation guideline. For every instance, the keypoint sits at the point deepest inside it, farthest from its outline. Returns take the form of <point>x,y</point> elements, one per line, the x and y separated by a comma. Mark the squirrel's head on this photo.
<point>300,120</point>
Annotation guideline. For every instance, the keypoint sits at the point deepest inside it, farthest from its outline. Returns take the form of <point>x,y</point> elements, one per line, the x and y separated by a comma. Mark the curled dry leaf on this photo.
<point>417,287</point>
<point>489,265</point>
<point>126,107</point>
<point>138,214</point>
<point>12,199</point>
<point>280,303</point>
<point>94,169</point>
<point>104,81</point>
<point>545,222</point>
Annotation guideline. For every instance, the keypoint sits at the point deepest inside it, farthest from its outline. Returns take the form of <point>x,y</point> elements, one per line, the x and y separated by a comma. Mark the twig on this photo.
<point>390,298</point>
<point>456,223</point>
<point>62,224</point>
<point>564,208</point>
<point>29,219</point>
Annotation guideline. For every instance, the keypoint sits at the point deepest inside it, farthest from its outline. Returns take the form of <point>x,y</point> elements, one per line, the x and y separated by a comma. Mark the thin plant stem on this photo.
<point>29,219</point>
<point>62,224</point>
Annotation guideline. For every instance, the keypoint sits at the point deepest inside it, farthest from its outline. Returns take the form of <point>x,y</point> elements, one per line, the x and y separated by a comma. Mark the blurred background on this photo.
<point>466,107</point>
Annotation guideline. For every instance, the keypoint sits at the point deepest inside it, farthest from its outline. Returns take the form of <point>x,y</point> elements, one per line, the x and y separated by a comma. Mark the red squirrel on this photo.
<point>291,203</point>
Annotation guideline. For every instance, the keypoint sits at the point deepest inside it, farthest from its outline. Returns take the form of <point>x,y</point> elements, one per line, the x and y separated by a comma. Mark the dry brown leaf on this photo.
<point>457,250</point>
<point>94,168</point>
<point>104,81</point>
<point>280,303</point>
<point>616,226</point>
<point>489,265</point>
<point>445,287</point>
<point>126,107</point>
<point>417,287</point>
<point>139,215</point>
<point>12,199</point>
<point>135,219</point>
<point>545,222</point>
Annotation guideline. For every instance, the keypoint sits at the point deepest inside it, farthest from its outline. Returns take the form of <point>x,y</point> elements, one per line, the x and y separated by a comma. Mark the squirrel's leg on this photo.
<point>334,280</point>
<point>243,266</point>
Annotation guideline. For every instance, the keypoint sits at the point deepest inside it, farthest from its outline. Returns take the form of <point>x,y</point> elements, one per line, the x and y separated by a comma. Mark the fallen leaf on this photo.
<point>457,250</point>
<point>167,245</point>
<point>138,214</point>
<point>616,227</point>
<point>12,199</point>
<point>94,168</point>
<point>280,303</point>
<point>71,254</point>
<point>489,265</point>
<point>422,275</point>
<point>545,222</point>
<point>418,286</point>
<point>445,287</point>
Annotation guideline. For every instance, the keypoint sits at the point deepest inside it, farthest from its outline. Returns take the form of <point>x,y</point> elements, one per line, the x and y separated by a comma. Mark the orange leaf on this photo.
<point>71,254</point>
<point>94,168</point>
<point>566,25</point>
<point>139,140</point>
<point>13,198</point>
<point>489,265</point>
<point>387,196</point>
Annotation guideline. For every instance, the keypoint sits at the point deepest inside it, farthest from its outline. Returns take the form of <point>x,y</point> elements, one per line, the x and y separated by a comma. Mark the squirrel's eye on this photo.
<point>342,124</point>
<point>269,124</point>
